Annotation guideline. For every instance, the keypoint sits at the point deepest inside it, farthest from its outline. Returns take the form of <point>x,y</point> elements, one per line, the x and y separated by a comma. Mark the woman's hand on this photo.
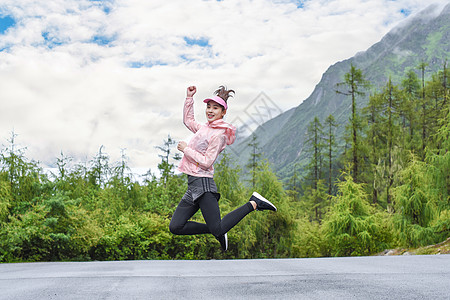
<point>181,146</point>
<point>191,91</point>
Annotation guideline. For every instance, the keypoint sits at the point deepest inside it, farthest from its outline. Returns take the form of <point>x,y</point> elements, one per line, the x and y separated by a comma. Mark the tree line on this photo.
<point>385,185</point>
<point>97,210</point>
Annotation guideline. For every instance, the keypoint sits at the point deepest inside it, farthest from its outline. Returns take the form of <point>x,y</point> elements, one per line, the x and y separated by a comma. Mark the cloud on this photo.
<point>75,75</point>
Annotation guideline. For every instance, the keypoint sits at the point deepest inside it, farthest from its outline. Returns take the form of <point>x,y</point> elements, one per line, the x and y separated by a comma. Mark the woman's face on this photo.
<point>214,111</point>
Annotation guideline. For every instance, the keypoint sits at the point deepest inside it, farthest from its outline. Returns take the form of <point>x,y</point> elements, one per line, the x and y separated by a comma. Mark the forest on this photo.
<point>384,185</point>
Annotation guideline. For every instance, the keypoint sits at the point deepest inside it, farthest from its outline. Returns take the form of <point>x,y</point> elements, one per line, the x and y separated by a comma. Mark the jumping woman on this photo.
<point>199,155</point>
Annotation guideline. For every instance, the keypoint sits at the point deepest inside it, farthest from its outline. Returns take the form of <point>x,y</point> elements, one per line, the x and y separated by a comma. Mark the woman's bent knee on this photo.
<point>216,230</point>
<point>175,229</point>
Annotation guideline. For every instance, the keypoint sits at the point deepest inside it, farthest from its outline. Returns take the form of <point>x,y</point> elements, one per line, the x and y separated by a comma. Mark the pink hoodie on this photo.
<point>209,140</point>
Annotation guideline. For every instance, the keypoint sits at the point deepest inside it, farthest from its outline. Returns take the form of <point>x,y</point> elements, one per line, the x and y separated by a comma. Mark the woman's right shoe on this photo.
<point>223,240</point>
<point>262,203</point>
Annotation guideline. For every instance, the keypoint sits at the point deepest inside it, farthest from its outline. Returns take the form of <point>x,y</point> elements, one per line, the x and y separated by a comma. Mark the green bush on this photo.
<point>352,227</point>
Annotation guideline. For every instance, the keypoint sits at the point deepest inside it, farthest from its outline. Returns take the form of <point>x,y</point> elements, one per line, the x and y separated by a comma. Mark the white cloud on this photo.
<point>68,82</point>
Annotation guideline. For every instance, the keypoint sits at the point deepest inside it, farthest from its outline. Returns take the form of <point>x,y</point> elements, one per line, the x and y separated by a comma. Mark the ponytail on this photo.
<point>223,93</point>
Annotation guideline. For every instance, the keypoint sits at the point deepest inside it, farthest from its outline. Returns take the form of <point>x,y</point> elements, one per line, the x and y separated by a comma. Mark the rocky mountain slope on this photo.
<point>424,37</point>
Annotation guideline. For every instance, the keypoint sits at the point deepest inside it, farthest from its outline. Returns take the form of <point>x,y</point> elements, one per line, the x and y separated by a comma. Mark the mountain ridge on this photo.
<point>424,37</point>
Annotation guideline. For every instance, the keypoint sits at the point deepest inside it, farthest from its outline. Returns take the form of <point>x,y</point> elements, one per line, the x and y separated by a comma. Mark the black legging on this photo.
<point>209,206</point>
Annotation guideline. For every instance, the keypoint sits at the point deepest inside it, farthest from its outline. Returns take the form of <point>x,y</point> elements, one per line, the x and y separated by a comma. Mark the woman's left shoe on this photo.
<point>223,240</point>
<point>262,203</point>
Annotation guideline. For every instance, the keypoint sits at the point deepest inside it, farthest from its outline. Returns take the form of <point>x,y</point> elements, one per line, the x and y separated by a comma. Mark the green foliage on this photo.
<point>5,200</point>
<point>255,158</point>
<point>352,227</point>
<point>315,146</point>
<point>25,177</point>
<point>383,139</point>
<point>308,241</point>
<point>131,236</point>
<point>274,232</point>
<point>228,181</point>
<point>441,225</point>
<point>25,237</point>
<point>330,143</point>
<point>422,200</point>
<point>415,201</point>
<point>293,188</point>
<point>315,201</point>
<point>401,196</point>
<point>353,85</point>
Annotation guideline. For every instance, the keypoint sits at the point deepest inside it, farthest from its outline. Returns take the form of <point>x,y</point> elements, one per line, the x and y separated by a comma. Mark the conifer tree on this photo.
<point>437,91</point>
<point>330,124</point>
<point>23,176</point>
<point>409,109</point>
<point>391,105</point>
<point>315,195</point>
<point>351,226</point>
<point>416,205</point>
<point>294,185</point>
<point>5,200</point>
<point>373,140</point>
<point>98,175</point>
<point>12,160</point>
<point>227,178</point>
<point>274,232</point>
<point>165,167</point>
<point>315,201</point>
<point>354,82</point>
<point>122,168</point>
<point>255,158</point>
<point>445,85</point>
<point>314,144</point>
<point>62,162</point>
<point>425,109</point>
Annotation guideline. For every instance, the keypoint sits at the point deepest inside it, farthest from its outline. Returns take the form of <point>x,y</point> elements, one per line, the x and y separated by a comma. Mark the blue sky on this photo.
<point>78,74</point>
<point>5,23</point>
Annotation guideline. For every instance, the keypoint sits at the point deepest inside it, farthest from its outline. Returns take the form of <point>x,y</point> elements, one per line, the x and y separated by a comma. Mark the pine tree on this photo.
<point>425,109</point>
<point>62,162</point>
<point>373,140</point>
<point>415,204</point>
<point>383,115</point>
<point>354,82</point>
<point>330,141</point>
<point>409,109</point>
<point>437,91</point>
<point>165,167</point>
<point>315,201</point>
<point>391,106</point>
<point>13,159</point>
<point>24,176</point>
<point>351,227</point>
<point>315,195</point>
<point>438,160</point>
<point>100,170</point>
<point>227,178</point>
<point>255,158</point>
<point>121,169</point>
<point>294,184</point>
<point>445,84</point>
<point>314,144</point>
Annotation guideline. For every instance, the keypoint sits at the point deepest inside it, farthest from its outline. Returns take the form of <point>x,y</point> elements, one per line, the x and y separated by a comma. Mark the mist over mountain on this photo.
<point>422,38</point>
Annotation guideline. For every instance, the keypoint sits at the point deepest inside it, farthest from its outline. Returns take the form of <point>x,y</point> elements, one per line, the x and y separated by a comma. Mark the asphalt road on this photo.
<point>377,277</point>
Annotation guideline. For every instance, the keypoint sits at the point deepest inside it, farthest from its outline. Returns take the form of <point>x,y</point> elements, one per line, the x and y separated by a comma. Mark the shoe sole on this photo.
<point>264,199</point>
<point>226,242</point>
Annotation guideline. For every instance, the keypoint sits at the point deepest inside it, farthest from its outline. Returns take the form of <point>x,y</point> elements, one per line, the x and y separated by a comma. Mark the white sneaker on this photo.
<point>262,203</point>
<point>223,240</point>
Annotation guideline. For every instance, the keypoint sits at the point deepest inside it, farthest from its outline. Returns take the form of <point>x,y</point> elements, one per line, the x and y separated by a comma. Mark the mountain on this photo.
<point>424,37</point>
